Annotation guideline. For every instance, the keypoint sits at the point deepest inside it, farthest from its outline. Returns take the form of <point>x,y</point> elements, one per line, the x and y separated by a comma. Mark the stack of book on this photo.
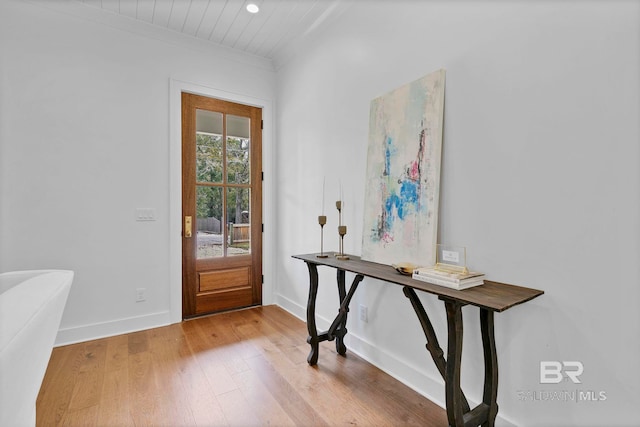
<point>449,279</point>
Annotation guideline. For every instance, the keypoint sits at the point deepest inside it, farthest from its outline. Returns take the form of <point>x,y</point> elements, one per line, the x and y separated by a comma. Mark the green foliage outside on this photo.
<point>209,169</point>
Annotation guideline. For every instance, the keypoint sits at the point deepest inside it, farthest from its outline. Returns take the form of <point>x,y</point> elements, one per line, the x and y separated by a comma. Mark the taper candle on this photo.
<point>323,182</point>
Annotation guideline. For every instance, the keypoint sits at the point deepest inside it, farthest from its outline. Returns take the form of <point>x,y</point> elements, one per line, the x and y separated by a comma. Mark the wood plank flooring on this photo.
<point>242,368</point>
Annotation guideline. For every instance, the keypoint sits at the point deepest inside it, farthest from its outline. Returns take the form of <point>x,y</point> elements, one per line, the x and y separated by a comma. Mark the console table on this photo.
<point>490,298</point>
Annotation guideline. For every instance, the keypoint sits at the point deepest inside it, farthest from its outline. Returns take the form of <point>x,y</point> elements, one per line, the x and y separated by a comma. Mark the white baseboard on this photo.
<point>108,329</point>
<point>294,308</point>
<point>411,376</point>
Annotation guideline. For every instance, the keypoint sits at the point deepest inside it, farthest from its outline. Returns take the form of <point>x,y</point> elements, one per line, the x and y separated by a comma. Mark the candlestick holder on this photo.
<point>322,220</point>
<point>342,230</point>
<point>339,207</point>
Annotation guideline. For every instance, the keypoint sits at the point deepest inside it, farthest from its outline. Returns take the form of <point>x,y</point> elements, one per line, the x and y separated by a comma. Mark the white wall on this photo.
<point>85,139</point>
<point>540,180</point>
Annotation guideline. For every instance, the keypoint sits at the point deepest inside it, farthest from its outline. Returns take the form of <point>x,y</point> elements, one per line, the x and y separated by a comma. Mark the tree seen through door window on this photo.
<point>209,169</point>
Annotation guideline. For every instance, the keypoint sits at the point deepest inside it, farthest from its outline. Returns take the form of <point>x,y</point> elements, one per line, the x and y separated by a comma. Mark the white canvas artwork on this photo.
<point>403,173</point>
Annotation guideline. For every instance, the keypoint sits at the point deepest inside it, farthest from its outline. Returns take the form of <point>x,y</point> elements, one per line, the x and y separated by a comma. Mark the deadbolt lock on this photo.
<point>187,226</point>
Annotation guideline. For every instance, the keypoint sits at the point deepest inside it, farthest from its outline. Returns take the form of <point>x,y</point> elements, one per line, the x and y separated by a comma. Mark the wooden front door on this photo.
<point>221,205</point>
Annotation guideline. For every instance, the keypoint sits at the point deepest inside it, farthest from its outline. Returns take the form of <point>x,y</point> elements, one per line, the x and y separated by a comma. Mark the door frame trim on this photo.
<point>176,87</point>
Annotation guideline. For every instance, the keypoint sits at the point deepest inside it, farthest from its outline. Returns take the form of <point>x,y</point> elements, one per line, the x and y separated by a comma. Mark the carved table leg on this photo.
<point>432,340</point>
<point>338,327</point>
<point>455,409</point>
<point>342,294</point>
<point>312,339</point>
<point>490,366</point>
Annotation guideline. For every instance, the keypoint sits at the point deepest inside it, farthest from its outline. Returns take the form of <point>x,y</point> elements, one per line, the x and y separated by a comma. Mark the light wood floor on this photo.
<point>242,368</point>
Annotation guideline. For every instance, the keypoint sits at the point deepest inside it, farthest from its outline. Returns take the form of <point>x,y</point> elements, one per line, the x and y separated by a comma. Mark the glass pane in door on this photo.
<point>238,153</point>
<point>209,222</point>
<point>209,146</point>
<point>238,223</point>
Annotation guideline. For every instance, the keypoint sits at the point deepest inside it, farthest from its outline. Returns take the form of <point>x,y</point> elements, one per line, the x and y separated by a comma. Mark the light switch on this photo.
<point>145,214</point>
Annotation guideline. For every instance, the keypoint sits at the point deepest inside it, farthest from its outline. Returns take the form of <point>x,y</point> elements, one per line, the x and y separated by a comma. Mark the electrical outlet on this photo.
<point>141,294</point>
<point>363,311</point>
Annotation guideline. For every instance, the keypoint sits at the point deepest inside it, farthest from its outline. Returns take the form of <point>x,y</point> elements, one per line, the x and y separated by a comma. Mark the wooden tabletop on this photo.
<point>492,295</point>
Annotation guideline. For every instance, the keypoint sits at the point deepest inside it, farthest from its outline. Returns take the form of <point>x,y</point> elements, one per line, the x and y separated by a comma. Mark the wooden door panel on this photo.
<point>221,280</point>
<point>224,300</point>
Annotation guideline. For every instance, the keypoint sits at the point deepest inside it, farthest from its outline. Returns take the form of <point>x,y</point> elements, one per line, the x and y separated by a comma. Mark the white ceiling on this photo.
<point>227,22</point>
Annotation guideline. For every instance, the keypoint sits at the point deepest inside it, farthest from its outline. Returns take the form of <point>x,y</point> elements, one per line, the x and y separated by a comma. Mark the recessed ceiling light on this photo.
<point>253,8</point>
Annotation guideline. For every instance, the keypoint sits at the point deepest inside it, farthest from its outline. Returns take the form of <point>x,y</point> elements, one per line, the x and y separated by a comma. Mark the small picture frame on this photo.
<point>452,259</point>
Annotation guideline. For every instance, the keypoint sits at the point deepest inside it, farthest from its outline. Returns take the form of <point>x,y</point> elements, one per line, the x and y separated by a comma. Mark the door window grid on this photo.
<point>223,217</point>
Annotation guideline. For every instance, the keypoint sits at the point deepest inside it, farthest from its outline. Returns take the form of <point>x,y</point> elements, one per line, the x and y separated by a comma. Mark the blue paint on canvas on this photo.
<point>401,191</point>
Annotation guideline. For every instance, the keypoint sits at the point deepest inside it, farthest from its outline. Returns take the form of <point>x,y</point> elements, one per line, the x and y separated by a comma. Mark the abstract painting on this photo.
<point>403,173</point>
